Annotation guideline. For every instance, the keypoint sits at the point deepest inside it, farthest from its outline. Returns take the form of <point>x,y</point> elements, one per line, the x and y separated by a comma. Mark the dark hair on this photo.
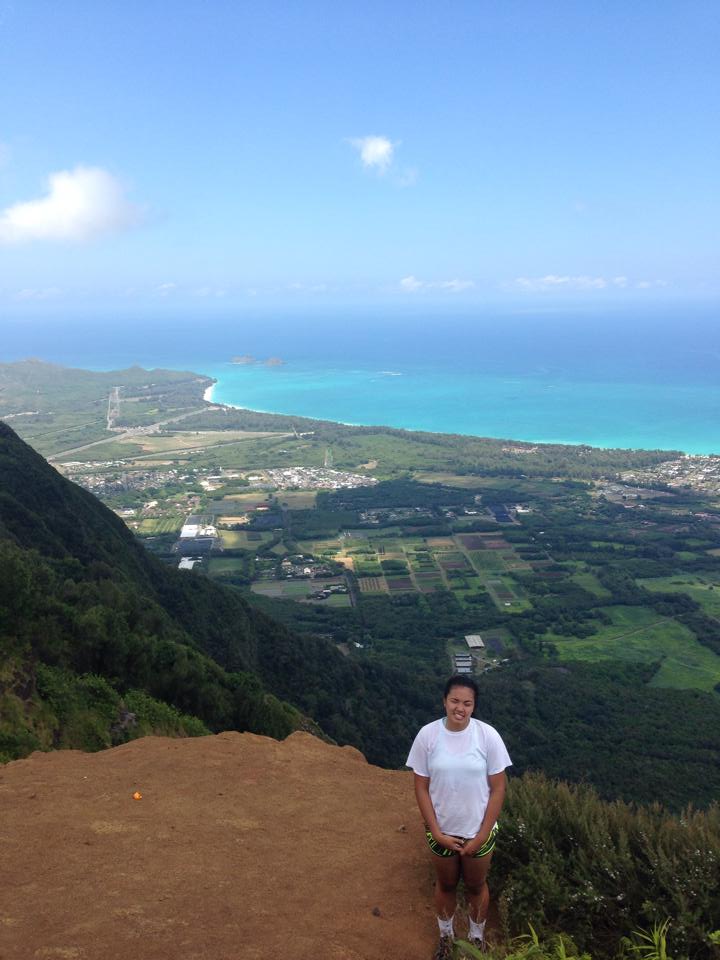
<point>461,680</point>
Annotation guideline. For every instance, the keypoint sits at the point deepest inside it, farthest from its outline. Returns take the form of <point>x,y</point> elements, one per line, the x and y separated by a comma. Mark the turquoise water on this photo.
<point>646,379</point>
<point>540,409</point>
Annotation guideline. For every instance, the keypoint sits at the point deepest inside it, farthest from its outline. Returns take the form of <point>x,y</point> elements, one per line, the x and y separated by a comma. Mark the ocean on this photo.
<point>643,379</point>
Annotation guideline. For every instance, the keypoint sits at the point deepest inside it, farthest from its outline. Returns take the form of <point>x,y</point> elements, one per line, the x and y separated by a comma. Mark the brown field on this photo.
<point>372,585</point>
<point>228,519</point>
<point>181,441</point>
<point>472,541</point>
<point>440,543</point>
<point>400,584</point>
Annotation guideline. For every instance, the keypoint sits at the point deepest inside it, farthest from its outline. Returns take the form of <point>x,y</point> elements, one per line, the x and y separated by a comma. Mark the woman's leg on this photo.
<point>447,873</point>
<point>474,874</point>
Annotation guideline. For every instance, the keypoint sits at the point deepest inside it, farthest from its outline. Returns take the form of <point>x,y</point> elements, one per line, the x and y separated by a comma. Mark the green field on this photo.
<point>588,581</point>
<point>219,565</point>
<point>240,539</point>
<point>296,499</point>
<point>703,589</point>
<point>639,634</point>
<point>300,590</point>
<point>152,526</point>
<point>430,564</point>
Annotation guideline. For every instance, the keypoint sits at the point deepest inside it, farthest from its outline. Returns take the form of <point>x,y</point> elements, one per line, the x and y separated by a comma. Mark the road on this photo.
<point>131,432</point>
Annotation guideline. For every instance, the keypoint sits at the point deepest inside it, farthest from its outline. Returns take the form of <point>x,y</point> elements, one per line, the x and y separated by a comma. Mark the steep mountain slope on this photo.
<point>79,595</point>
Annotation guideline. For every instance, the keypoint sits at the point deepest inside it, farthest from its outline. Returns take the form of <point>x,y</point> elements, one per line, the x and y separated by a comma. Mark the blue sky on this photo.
<point>160,156</point>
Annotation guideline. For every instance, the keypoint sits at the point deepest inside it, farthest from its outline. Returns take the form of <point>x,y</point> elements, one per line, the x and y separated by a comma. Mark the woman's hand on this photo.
<point>472,846</point>
<point>448,841</point>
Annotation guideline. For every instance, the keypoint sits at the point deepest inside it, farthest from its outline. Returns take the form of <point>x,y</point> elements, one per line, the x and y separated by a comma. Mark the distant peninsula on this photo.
<point>247,360</point>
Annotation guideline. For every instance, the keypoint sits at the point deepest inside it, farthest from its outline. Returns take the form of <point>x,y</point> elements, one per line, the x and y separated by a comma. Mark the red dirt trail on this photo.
<point>241,848</point>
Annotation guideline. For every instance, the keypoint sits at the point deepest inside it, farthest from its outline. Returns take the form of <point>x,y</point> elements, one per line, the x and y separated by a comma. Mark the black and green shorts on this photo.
<point>441,851</point>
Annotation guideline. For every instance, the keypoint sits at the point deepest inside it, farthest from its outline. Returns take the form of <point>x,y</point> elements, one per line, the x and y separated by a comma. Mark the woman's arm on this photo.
<point>497,783</point>
<point>427,811</point>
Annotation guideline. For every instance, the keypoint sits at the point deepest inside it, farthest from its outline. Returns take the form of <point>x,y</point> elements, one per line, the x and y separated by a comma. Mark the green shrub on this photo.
<point>154,716</point>
<point>567,861</point>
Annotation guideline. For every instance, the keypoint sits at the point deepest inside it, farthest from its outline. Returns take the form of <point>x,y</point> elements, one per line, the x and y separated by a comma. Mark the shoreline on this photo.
<point>540,443</point>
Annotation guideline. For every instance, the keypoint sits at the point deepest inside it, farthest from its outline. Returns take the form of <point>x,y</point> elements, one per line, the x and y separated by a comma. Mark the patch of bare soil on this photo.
<point>241,848</point>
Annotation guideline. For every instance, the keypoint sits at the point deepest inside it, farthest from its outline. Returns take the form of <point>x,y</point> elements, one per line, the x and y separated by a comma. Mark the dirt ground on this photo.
<point>241,848</point>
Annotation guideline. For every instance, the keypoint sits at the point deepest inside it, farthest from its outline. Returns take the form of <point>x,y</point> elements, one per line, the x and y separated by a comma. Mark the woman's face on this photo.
<point>459,705</point>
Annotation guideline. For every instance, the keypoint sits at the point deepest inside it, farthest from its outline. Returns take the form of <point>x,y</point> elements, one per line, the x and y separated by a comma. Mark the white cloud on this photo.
<point>164,289</point>
<point>80,204</point>
<point>413,285</point>
<point>376,153</point>
<point>553,281</point>
<point>35,293</point>
<point>564,282</point>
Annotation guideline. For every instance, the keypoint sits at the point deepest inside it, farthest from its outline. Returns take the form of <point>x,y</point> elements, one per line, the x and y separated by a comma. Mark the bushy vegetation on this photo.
<point>414,449</point>
<point>566,860</point>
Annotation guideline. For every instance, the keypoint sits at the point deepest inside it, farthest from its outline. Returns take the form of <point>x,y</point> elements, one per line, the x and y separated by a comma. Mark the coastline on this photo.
<point>207,395</point>
<point>532,409</point>
<point>502,439</point>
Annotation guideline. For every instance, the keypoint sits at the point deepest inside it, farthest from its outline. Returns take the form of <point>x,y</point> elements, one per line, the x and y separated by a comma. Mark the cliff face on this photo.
<point>241,847</point>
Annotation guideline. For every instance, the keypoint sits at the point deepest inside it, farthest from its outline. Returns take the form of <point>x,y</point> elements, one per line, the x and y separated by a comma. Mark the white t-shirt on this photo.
<point>458,764</point>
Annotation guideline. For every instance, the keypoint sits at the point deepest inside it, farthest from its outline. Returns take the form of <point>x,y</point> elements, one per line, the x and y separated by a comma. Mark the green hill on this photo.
<point>93,628</point>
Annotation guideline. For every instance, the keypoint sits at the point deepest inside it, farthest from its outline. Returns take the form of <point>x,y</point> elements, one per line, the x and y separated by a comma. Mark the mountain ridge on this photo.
<point>81,595</point>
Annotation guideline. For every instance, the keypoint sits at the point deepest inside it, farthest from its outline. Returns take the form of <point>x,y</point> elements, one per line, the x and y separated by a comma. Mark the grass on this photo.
<point>486,560</point>
<point>300,590</point>
<point>238,540</point>
<point>297,499</point>
<point>703,589</point>
<point>152,526</point>
<point>226,565</point>
<point>639,634</point>
<point>588,581</point>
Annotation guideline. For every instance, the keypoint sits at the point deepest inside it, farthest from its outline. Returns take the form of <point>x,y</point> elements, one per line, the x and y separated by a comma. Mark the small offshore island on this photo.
<point>247,360</point>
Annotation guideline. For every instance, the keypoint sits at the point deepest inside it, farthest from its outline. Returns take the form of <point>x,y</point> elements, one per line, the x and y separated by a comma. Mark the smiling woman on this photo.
<point>459,766</point>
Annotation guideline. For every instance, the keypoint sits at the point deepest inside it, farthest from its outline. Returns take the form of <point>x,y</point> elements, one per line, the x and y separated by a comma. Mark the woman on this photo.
<point>459,766</point>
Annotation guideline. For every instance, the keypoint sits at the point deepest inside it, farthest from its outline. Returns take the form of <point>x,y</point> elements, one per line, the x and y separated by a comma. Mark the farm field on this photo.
<point>296,499</point>
<point>703,589</point>
<point>301,590</point>
<point>386,561</point>
<point>152,526</point>
<point>225,565</point>
<point>588,581</point>
<point>244,539</point>
<point>238,502</point>
<point>639,634</point>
